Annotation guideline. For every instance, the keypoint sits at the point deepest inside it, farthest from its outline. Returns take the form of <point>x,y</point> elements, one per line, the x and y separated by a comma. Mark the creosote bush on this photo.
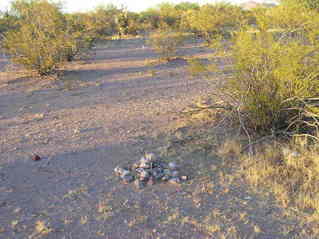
<point>166,43</point>
<point>276,84</point>
<point>43,39</point>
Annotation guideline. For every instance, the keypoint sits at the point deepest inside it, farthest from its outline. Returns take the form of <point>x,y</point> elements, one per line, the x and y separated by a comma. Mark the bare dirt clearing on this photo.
<point>104,112</point>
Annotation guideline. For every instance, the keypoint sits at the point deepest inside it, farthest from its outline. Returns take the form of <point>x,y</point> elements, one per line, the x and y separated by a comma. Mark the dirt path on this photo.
<point>105,112</point>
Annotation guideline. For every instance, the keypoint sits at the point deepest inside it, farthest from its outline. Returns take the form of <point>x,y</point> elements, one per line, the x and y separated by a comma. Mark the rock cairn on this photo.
<point>150,170</point>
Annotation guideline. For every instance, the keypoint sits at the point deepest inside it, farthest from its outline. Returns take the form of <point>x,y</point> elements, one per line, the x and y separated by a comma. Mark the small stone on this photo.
<point>175,181</point>
<point>167,172</point>
<point>36,157</point>
<point>172,165</point>
<point>151,181</point>
<point>144,175</point>
<point>139,184</point>
<point>127,179</point>
<point>145,165</point>
<point>117,170</point>
<point>125,172</point>
<point>165,178</point>
<point>158,173</point>
<point>184,177</point>
<point>139,170</point>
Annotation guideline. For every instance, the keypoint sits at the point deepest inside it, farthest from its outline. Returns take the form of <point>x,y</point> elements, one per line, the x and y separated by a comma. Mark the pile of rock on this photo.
<point>150,170</point>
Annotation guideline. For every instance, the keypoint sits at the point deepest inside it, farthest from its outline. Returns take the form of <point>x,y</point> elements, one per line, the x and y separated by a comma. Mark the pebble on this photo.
<point>118,171</point>
<point>167,172</point>
<point>174,180</point>
<point>151,181</point>
<point>184,177</point>
<point>139,184</point>
<point>144,175</point>
<point>36,157</point>
<point>165,178</point>
<point>127,178</point>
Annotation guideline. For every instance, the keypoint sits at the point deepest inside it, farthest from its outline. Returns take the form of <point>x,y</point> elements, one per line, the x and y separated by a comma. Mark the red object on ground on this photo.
<point>36,157</point>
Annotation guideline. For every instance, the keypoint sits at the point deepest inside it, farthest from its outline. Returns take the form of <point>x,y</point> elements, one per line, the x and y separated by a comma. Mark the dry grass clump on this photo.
<point>230,148</point>
<point>289,171</point>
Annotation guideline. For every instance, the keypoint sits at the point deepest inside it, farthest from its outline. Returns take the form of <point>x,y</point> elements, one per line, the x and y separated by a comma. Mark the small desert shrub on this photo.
<point>42,39</point>
<point>166,43</point>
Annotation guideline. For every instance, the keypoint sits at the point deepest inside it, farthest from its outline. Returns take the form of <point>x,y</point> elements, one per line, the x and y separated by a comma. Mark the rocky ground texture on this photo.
<point>105,111</point>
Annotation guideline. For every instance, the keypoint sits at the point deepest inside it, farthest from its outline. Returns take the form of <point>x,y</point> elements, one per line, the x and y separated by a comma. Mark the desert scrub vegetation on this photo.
<point>166,43</point>
<point>273,97</point>
<point>214,20</point>
<point>275,85</point>
<point>42,39</point>
<point>289,171</point>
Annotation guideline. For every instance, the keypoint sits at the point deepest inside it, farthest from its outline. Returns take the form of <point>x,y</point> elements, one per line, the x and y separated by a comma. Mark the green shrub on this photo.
<point>42,39</point>
<point>276,82</point>
<point>166,43</point>
<point>213,20</point>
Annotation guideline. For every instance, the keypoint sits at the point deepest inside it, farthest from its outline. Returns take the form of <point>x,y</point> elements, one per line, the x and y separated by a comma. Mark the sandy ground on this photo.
<point>105,111</point>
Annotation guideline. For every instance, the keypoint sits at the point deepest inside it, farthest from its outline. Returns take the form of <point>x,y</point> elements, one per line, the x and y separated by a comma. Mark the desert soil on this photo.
<point>106,111</point>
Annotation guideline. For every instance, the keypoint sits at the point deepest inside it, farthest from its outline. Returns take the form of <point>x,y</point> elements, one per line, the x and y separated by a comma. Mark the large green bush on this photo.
<point>277,74</point>
<point>42,39</point>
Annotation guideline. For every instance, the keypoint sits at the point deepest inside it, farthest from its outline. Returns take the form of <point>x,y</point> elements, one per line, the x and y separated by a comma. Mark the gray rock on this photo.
<point>166,178</point>
<point>157,173</point>
<point>125,172</point>
<point>184,178</point>
<point>139,184</point>
<point>146,165</point>
<point>175,181</point>
<point>118,171</point>
<point>167,172</point>
<point>151,181</point>
<point>172,165</point>
<point>127,178</point>
<point>144,175</point>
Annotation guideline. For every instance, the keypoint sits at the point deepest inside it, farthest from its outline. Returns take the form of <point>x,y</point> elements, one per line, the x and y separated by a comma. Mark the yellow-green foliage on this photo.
<point>42,39</point>
<point>277,70</point>
<point>212,20</point>
<point>196,67</point>
<point>166,43</point>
